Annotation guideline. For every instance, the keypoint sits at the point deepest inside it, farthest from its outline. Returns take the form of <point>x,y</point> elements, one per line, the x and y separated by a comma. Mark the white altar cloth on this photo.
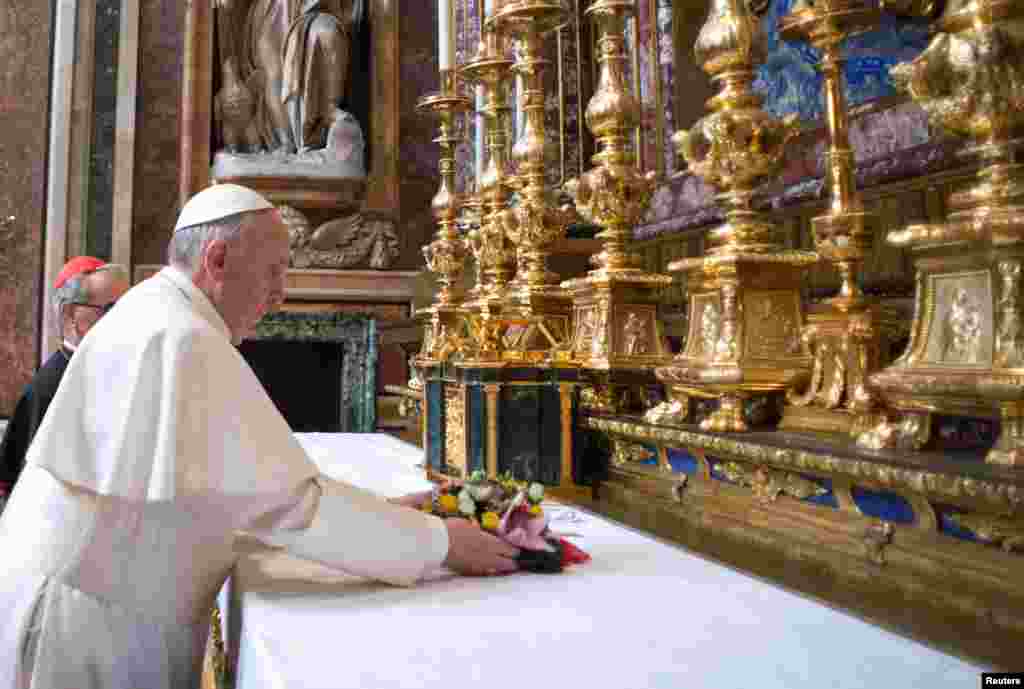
<point>642,614</point>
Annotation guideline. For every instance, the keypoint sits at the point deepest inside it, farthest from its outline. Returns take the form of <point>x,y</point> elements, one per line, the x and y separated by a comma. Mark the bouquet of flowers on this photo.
<point>512,511</point>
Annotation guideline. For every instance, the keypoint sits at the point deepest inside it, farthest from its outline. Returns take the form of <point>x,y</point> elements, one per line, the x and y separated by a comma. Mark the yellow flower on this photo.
<point>489,521</point>
<point>449,503</point>
<point>427,506</point>
<point>536,511</point>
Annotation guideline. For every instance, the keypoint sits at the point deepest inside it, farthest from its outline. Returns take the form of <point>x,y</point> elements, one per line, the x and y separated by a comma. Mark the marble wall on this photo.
<point>418,155</point>
<point>161,38</point>
<point>24,101</point>
<point>891,137</point>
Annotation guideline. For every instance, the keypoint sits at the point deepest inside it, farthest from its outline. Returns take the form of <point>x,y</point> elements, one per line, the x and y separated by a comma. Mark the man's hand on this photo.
<point>413,500</point>
<point>473,551</point>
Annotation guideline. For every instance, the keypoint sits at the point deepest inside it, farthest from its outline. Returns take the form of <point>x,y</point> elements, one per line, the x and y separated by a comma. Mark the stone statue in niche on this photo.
<point>285,69</point>
<point>352,241</point>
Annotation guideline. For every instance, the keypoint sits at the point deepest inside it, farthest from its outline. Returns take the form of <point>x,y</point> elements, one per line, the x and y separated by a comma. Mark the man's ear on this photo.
<point>215,258</point>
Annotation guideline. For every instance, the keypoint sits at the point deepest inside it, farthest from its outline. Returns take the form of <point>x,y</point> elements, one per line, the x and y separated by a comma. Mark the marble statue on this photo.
<point>285,72</point>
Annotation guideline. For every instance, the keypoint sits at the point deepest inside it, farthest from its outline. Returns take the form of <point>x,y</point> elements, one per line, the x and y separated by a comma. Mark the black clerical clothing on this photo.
<point>27,416</point>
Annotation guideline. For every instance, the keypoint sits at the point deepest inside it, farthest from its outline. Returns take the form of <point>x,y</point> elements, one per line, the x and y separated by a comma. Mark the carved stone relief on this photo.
<point>352,241</point>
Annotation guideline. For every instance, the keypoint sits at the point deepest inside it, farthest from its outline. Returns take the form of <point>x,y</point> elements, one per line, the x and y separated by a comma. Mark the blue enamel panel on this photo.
<point>682,461</point>
<point>435,424</point>
<point>887,506</point>
<point>476,414</point>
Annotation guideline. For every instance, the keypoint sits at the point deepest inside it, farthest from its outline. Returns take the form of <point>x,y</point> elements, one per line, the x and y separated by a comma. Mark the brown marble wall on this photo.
<point>417,153</point>
<point>161,41</point>
<point>24,100</point>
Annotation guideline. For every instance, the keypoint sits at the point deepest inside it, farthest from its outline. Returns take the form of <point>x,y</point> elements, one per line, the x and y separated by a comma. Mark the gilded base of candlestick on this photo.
<point>745,331</point>
<point>540,325</point>
<point>847,346</point>
<point>615,320</point>
<point>966,351</point>
<point>443,335</point>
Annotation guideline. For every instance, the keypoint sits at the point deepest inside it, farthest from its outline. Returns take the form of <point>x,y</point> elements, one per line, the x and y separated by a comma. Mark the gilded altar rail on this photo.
<point>990,494</point>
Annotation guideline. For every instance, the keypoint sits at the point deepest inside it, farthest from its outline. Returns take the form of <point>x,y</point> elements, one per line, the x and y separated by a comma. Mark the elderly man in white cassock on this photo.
<point>160,447</point>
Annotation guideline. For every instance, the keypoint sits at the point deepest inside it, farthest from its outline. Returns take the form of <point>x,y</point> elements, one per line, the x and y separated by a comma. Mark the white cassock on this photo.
<point>158,450</point>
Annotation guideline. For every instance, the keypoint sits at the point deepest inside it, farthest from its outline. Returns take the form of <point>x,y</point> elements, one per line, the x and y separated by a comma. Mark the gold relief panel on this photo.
<point>960,329</point>
<point>773,320</point>
<point>591,334</point>
<point>705,326</point>
<point>636,331</point>
<point>455,430</point>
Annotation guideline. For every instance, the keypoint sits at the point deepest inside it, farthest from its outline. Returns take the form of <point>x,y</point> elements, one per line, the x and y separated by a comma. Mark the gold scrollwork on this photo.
<point>673,411</point>
<point>997,531</point>
<point>768,484</point>
<point>998,496</point>
<point>625,452</point>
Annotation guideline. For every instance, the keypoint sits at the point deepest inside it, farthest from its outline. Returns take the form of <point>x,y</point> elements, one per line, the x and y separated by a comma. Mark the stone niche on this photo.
<point>320,369</point>
<point>356,231</point>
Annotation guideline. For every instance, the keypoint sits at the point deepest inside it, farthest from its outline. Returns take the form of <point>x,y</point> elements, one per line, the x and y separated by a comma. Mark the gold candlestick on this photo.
<point>445,255</point>
<point>491,68</point>
<point>745,316</point>
<point>966,350</point>
<point>850,335</point>
<point>614,306</point>
<point>539,307</point>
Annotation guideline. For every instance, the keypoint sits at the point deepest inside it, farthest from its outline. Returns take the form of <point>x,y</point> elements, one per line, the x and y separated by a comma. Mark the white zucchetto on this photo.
<point>220,201</point>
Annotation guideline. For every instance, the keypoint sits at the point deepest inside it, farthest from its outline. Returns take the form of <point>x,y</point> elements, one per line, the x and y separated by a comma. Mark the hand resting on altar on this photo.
<point>473,551</point>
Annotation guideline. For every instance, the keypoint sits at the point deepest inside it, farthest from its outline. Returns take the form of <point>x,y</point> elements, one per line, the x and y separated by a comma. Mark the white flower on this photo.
<point>467,507</point>
<point>536,492</point>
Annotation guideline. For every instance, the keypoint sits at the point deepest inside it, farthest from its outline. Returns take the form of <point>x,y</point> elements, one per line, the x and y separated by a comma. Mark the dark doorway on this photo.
<point>302,378</point>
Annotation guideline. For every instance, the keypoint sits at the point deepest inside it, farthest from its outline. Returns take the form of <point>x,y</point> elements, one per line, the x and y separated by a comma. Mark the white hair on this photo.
<point>187,244</point>
<point>75,290</point>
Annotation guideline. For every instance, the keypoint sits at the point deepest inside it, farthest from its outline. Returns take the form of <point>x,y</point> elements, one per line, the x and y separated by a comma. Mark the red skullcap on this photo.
<point>77,266</point>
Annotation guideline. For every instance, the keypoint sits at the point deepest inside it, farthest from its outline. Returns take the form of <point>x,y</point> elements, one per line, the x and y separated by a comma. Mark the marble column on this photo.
<point>57,177</point>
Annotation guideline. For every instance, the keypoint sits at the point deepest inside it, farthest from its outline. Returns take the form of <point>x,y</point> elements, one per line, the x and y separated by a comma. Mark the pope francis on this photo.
<point>159,448</point>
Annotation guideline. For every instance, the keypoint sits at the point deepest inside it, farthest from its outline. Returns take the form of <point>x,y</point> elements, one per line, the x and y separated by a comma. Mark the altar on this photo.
<point>642,613</point>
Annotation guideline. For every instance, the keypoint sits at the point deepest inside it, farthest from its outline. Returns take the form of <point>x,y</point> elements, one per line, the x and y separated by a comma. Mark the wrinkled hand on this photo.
<point>473,551</point>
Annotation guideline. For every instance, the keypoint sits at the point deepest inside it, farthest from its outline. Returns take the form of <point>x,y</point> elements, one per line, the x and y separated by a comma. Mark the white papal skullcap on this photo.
<point>220,201</point>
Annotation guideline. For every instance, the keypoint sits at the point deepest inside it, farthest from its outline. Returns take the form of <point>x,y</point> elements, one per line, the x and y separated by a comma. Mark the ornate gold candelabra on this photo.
<point>614,306</point>
<point>539,310</point>
<point>850,335</point>
<point>491,68</point>
<point>445,255</point>
<point>744,298</point>
<point>966,350</point>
